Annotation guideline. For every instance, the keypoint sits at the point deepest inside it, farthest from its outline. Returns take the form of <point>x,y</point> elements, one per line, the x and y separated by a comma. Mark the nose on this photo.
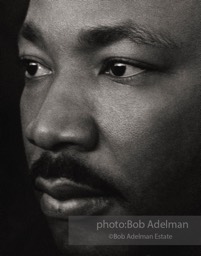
<point>63,123</point>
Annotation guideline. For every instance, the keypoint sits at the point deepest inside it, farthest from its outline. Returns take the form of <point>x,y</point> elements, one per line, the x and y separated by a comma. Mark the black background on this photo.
<point>22,227</point>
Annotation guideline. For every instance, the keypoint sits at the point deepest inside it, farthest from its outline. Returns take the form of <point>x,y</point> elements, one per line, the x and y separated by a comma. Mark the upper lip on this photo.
<point>65,189</point>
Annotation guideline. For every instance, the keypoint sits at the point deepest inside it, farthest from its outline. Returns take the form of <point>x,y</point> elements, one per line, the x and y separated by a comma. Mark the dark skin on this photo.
<point>120,92</point>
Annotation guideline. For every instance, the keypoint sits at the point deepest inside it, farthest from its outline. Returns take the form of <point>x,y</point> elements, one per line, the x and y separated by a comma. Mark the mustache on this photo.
<point>70,168</point>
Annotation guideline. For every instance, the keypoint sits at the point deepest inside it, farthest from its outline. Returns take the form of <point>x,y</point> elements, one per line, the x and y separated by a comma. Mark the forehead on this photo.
<point>181,19</point>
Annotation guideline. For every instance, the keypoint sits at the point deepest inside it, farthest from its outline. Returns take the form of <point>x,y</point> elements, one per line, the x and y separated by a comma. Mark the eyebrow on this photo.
<point>102,36</point>
<point>32,34</point>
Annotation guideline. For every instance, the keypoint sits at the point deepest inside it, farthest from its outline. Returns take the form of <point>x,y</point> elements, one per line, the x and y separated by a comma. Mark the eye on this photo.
<point>121,69</point>
<point>34,69</point>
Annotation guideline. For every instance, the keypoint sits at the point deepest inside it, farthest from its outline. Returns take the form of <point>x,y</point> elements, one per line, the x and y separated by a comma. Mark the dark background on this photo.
<point>23,230</point>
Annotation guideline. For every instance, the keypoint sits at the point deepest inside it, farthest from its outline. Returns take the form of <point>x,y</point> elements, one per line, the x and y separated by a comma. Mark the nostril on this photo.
<point>31,140</point>
<point>78,132</point>
<point>63,145</point>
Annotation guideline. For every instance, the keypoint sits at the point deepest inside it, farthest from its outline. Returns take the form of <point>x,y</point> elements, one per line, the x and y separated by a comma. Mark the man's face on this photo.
<point>111,107</point>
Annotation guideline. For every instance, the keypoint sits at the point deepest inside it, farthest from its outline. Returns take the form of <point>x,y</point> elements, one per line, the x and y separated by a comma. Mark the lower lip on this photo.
<point>54,208</point>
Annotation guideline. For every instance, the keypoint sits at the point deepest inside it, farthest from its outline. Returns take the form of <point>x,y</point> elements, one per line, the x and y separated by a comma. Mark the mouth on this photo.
<point>61,198</point>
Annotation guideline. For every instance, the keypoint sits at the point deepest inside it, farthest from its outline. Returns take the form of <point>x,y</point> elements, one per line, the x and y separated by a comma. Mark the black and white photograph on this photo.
<point>100,127</point>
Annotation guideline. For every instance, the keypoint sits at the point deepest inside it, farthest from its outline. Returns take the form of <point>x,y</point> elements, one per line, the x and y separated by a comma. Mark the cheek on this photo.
<point>147,133</point>
<point>24,111</point>
<point>24,114</point>
<point>140,140</point>
<point>153,147</point>
<point>32,99</point>
<point>131,124</point>
<point>27,113</point>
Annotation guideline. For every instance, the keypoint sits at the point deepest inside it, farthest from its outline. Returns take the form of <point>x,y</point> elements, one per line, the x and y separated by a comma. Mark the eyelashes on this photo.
<point>121,69</point>
<point>33,69</point>
<point>117,69</point>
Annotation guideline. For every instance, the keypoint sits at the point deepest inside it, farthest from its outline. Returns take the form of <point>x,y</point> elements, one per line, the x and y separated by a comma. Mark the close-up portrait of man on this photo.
<point>111,113</point>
